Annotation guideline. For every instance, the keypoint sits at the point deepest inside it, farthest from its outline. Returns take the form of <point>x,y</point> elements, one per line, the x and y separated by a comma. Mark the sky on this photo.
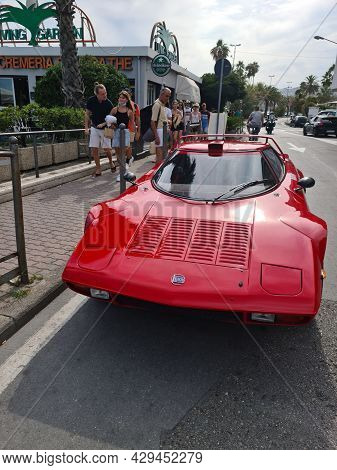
<point>271,32</point>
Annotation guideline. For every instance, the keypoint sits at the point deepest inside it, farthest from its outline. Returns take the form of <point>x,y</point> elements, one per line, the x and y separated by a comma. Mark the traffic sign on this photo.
<point>161,65</point>
<point>227,68</point>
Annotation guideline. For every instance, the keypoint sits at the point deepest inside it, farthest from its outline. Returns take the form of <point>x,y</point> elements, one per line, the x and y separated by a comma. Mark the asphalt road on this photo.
<point>86,375</point>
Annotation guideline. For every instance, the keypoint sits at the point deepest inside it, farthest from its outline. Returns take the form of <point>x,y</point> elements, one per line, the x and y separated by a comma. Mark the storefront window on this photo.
<point>7,96</point>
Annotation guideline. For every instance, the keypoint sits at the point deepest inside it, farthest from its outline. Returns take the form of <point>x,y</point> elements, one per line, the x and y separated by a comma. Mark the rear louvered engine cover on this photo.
<point>195,241</point>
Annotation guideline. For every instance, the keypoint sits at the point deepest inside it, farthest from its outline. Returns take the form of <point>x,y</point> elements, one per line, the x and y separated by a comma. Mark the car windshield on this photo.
<point>202,177</point>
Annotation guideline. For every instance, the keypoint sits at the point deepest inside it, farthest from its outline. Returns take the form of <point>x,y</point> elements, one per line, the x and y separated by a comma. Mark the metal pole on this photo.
<point>234,56</point>
<point>18,210</point>
<point>165,134</point>
<point>36,158</point>
<point>122,167</point>
<point>220,94</point>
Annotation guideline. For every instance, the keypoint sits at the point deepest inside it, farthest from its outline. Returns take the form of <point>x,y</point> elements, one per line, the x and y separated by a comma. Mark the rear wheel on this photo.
<point>304,131</point>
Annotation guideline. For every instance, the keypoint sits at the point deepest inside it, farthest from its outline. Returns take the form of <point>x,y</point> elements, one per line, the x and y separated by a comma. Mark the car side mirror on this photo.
<point>130,177</point>
<point>305,183</point>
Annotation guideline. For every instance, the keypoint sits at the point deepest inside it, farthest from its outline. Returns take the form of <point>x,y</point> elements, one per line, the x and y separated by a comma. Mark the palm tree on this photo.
<point>72,83</point>
<point>220,51</point>
<point>328,77</point>
<point>311,85</point>
<point>252,70</point>
<point>240,70</point>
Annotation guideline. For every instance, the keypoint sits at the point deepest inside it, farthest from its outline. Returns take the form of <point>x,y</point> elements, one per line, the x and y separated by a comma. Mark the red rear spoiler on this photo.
<point>195,138</point>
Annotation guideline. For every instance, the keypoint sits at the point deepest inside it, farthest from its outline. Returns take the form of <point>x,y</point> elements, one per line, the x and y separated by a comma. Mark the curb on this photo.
<point>50,181</point>
<point>9,325</point>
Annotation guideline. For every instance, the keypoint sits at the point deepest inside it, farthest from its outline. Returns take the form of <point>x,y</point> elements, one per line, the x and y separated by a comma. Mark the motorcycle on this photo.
<point>270,126</point>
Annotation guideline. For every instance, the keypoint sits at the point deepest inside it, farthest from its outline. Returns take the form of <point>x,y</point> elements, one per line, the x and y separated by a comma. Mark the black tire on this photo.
<point>304,131</point>
<point>315,133</point>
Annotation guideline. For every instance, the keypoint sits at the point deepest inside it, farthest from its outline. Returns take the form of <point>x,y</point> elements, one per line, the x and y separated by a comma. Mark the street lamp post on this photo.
<point>324,39</point>
<point>288,106</point>
<point>235,46</point>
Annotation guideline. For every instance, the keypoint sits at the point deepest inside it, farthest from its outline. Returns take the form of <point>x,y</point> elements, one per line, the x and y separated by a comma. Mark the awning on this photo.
<point>187,89</point>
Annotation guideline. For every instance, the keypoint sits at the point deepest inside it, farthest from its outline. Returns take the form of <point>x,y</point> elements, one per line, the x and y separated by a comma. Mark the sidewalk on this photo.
<point>54,220</point>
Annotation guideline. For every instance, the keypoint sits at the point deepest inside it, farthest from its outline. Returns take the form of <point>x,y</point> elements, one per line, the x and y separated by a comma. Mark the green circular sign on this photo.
<point>161,65</point>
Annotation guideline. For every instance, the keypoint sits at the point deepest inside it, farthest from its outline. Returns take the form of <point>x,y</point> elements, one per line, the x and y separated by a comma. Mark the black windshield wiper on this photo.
<point>241,187</point>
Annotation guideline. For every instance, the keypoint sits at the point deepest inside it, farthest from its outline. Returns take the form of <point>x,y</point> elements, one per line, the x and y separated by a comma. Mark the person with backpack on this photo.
<point>157,119</point>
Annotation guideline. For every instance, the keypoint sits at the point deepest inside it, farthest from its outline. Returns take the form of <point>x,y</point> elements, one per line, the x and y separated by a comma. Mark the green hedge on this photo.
<point>47,118</point>
<point>234,123</point>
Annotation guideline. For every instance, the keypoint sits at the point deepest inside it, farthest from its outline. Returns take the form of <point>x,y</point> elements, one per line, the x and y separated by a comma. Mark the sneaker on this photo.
<point>118,178</point>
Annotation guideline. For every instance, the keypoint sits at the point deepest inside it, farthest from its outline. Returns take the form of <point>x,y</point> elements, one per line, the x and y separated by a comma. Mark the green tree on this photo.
<point>252,69</point>
<point>72,83</point>
<point>48,90</point>
<point>328,77</point>
<point>241,70</point>
<point>220,51</point>
<point>232,89</point>
<point>311,85</point>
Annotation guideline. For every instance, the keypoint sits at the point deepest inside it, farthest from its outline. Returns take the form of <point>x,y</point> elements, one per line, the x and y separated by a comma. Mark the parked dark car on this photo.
<point>321,126</point>
<point>298,121</point>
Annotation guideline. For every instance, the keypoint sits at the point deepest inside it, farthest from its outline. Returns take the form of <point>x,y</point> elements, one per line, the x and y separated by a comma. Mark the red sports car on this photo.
<point>222,225</point>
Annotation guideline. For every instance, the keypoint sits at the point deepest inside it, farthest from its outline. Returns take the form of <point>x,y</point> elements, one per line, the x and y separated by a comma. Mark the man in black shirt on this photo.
<point>98,107</point>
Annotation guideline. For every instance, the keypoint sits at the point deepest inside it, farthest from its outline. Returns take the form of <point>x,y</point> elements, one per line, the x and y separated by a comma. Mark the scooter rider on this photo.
<point>270,124</point>
<point>255,121</point>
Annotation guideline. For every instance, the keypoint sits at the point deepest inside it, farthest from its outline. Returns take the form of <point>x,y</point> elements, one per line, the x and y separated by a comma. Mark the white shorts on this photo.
<point>98,140</point>
<point>160,135</point>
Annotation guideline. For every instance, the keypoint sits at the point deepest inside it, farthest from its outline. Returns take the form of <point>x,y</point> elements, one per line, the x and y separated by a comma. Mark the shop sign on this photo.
<point>30,18</point>
<point>164,42</point>
<point>161,65</point>
<point>38,62</point>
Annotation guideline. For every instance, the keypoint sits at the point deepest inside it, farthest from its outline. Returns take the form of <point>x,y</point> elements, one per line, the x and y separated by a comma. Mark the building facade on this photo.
<point>21,67</point>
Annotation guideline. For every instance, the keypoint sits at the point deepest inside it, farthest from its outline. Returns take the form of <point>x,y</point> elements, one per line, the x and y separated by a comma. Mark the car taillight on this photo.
<point>88,221</point>
<point>319,124</point>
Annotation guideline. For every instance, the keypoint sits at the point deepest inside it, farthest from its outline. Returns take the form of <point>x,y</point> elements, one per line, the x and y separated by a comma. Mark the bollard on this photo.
<point>165,140</point>
<point>122,166</point>
<point>18,210</point>
<point>36,158</point>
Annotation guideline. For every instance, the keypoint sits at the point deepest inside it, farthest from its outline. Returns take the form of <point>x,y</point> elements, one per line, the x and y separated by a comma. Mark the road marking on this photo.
<point>15,364</point>
<point>297,149</point>
<point>313,139</point>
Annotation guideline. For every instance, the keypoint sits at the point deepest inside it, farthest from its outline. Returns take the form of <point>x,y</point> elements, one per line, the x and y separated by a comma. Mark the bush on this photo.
<point>8,118</point>
<point>233,123</point>
<point>46,118</point>
<point>48,91</point>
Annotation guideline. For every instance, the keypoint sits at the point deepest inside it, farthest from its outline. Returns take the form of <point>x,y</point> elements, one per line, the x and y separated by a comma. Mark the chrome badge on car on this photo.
<point>178,279</point>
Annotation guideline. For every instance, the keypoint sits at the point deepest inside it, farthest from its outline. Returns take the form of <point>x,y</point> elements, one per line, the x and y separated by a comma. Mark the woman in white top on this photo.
<point>195,119</point>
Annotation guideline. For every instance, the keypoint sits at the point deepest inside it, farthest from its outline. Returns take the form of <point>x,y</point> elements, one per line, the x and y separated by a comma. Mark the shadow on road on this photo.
<point>145,380</point>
